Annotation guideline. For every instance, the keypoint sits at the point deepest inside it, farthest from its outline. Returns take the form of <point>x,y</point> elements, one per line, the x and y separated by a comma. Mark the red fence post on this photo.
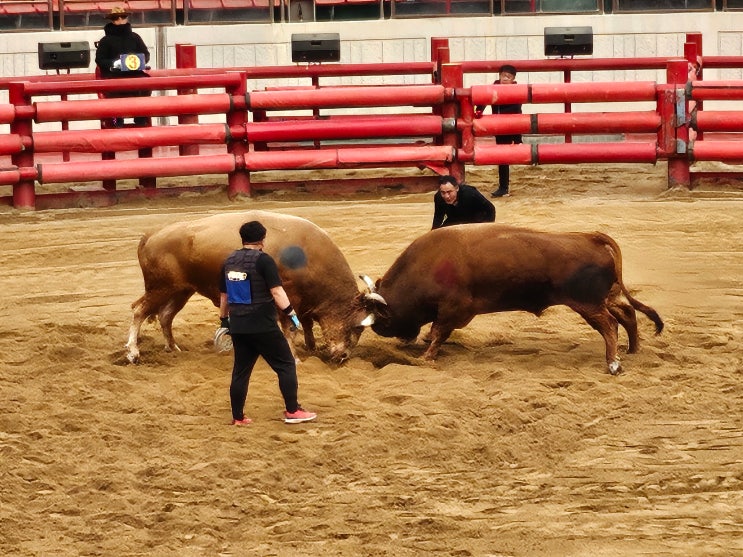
<point>566,78</point>
<point>693,55</point>
<point>452,77</point>
<point>238,181</point>
<point>678,162</point>
<point>24,195</point>
<point>185,57</point>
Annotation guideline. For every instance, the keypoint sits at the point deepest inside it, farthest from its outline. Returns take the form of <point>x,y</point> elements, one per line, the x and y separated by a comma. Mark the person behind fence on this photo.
<point>456,203</point>
<point>122,53</point>
<point>506,76</point>
<point>250,292</point>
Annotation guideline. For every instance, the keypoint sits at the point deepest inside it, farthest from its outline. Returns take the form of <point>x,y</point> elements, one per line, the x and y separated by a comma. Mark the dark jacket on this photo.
<point>118,40</point>
<point>503,109</point>
<point>471,207</point>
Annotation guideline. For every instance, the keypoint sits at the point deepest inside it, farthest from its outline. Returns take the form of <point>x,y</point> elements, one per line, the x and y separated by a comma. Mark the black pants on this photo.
<point>274,348</point>
<point>504,171</point>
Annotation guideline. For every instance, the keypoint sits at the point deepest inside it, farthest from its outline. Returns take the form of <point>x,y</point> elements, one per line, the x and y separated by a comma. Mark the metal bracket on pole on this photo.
<point>680,107</point>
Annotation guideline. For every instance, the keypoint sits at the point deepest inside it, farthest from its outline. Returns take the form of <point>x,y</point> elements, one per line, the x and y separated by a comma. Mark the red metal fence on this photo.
<point>294,128</point>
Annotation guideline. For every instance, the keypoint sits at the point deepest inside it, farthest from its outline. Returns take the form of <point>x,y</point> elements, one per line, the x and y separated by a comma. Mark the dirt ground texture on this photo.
<point>515,442</point>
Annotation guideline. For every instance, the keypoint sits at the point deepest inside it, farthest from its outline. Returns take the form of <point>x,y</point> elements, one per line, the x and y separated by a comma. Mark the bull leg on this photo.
<point>141,311</point>
<point>290,335</point>
<point>449,316</point>
<point>439,333</point>
<point>166,315</point>
<point>309,334</point>
<point>627,317</point>
<point>606,324</point>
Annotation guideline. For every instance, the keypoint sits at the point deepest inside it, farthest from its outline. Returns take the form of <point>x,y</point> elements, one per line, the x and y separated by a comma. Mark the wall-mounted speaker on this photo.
<point>316,47</point>
<point>64,56</point>
<point>568,41</point>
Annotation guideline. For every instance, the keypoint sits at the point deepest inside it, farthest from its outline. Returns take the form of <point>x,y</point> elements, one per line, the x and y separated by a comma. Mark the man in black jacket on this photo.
<point>119,39</point>
<point>456,203</point>
<point>506,76</point>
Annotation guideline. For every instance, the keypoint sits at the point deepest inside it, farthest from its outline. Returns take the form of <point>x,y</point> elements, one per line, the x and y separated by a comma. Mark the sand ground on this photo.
<point>516,442</point>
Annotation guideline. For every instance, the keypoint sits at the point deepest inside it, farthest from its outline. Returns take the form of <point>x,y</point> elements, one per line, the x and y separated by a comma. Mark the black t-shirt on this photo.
<point>259,316</point>
<point>471,206</point>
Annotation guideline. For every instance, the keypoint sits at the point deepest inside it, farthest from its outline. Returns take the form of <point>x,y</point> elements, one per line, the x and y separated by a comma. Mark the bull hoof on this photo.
<point>132,357</point>
<point>174,348</point>
<point>615,367</point>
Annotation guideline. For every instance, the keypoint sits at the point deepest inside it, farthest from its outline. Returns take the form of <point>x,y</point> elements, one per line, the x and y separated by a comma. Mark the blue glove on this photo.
<point>289,310</point>
<point>295,322</point>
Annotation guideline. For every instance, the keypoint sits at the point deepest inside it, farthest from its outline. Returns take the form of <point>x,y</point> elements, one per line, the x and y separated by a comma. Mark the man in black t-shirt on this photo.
<point>250,290</point>
<point>456,203</point>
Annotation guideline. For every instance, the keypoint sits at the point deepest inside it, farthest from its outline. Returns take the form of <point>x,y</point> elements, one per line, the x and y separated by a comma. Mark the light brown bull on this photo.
<point>185,258</point>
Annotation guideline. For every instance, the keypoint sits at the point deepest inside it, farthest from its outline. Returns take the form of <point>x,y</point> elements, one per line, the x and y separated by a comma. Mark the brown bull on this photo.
<point>450,275</point>
<point>185,258</point>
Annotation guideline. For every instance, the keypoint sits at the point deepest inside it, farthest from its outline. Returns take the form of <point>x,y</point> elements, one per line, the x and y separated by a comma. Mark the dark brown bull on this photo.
<point>450,275</point>
<point>185,258</point>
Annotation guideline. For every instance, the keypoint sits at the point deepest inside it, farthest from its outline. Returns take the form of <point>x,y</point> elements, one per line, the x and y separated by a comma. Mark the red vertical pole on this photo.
<point>439,55</point>
<point>666,107</point>
<point>678,163</point>
<point>238,181</point>
<point>452,77</point>
<point>316,111</point>
<point>693,55</point>
<point>24,195</point>
<point>65,127</point>
<point>436,44</point>
<point>185,57</point>
<point>568,106</point>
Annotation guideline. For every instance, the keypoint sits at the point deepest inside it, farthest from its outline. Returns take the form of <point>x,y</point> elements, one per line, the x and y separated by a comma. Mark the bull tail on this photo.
<point>140,247</point>
<point>637,304</point>
<point>647,310</point>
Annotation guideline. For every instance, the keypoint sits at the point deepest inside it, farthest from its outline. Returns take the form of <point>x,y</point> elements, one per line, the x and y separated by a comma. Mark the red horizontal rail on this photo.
<point>346,128</point>
<point>724,151</point>
<point>568,123</point>
<point>345,97</point>
<point>83,171</point>
<point>563,92</point>
<point>566,153</point>
<point>347,157</point>
<point>718,121</point>
<point>36,88</point>
<point>716,90</point>
<point>218,103</point>
<point>111,140</point>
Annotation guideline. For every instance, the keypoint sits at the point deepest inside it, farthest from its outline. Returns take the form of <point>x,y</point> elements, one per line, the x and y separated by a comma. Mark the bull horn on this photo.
<point>369,283</point>
<point>376,297</point>
<point>368,321</point>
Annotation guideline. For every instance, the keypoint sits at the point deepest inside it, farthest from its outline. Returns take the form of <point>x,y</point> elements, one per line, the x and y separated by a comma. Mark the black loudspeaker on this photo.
<point>64,56</point>
<point>316,47</point>
<point>568,41</point>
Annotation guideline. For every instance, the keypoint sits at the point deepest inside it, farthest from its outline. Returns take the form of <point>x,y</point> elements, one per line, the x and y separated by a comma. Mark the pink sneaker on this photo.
<point>299,416</point>
<point>244,421</point>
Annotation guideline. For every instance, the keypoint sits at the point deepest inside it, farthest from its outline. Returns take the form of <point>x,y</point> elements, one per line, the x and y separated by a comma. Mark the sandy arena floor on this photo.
<point>516,442</point>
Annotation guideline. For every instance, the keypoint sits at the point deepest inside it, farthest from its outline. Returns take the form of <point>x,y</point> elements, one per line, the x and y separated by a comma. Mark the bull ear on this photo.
<point>369,283</point>
<point>368,321</point>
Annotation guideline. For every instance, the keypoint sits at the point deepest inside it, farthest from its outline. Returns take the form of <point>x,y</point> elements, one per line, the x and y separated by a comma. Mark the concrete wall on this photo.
<point>471,38</point>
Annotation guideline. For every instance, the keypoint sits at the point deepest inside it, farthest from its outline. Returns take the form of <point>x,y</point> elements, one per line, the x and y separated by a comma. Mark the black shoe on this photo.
<point>500,192</point>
